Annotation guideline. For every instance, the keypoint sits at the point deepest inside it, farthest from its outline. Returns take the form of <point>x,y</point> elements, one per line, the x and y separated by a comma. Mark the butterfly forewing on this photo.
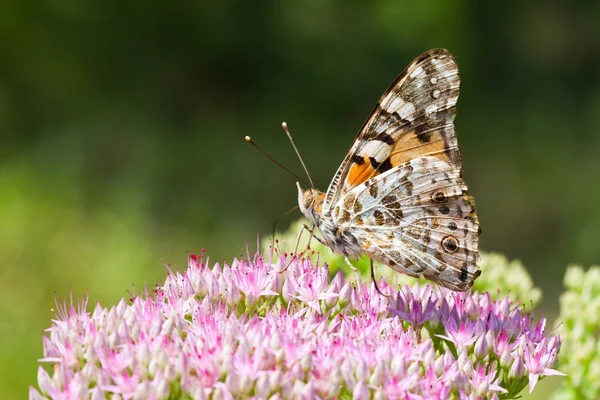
<point>413,118</point>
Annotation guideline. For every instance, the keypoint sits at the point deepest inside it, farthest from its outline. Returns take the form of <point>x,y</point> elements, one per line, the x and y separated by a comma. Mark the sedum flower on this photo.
<point>270,328</point>
<point>580,330</point>
<point>507,278</point>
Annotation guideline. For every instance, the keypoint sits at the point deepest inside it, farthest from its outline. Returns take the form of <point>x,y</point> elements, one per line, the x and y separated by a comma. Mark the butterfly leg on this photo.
<point>353,268</point>
<point>312,234</point>
<point>375,280</point>
<point>312,230</point>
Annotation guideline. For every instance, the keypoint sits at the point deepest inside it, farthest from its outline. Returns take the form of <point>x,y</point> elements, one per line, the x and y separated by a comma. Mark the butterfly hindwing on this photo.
<point>413,118</point>
<point>418,219</point>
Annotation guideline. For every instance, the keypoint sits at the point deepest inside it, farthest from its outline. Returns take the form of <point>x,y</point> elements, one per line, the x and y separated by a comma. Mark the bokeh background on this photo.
<point>122,126</point>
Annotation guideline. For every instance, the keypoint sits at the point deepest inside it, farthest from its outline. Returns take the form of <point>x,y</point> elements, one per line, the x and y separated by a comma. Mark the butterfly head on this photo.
<point>311,203</point>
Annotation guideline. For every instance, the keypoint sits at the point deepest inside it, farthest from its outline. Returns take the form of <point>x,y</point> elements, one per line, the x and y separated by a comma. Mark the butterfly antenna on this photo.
<point>249,140</point>
<point>285,214</point>
<point>285,128</point>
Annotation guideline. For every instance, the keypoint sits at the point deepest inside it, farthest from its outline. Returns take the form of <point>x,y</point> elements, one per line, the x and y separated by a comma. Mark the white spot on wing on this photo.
<point>431,109</point>
<point>418,71</point>
<point>396,103</point>
<point>438,63</point>
<point>407,111</point>
<point>382,127</point>
<point>376,149</point>
<point>403,109</point>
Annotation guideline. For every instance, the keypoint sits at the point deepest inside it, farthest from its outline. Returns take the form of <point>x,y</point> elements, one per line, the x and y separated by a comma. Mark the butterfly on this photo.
<point>398,196</point>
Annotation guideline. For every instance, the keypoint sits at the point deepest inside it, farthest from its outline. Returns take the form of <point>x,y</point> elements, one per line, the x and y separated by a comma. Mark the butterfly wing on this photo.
<point>413,118</point>
<point>418,219</point>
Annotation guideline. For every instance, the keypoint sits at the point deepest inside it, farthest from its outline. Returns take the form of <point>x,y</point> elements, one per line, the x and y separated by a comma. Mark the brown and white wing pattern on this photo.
<point>413,118</point>
<point>418,219</point>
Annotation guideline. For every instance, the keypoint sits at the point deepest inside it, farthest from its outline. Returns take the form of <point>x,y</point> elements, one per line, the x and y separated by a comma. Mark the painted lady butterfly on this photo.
<point>398,196</point>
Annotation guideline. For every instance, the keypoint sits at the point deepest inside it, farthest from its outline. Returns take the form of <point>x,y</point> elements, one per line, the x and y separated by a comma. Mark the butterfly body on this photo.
<point>398,196</point>
<point>336,236</point>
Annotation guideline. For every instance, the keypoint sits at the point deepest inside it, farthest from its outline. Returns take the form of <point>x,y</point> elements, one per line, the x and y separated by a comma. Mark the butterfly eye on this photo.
<point>450,244</point>
<point>307,199</point>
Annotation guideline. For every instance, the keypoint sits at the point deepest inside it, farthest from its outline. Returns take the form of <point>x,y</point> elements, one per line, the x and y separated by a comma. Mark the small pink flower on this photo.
<point>538,360</point>
<point>483,382</point>
<point>252,282</point>
<point>415,309</point>
<point>462,333</point>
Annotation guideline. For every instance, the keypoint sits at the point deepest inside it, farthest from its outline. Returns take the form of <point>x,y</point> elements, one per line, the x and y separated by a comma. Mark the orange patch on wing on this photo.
<point>408,147</point>
<point>360,173</point>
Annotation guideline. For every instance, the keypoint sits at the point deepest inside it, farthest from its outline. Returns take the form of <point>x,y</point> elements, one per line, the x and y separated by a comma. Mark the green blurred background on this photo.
<point>122,126</point>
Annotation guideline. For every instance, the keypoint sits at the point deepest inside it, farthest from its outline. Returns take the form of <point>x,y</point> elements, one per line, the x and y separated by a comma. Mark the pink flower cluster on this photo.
<point>249,330</point>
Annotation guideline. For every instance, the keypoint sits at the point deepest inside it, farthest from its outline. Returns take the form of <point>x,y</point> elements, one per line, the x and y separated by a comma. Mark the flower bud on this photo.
<point>517,368</point>
<point>481,347</point>
<point>348,373</point>
<point>464,363</point>
<point>377,376</point>
<point>506,358</point>
<point>345,295</point>
<point>482,389</point>
<point>263,388</point>
<point>361,391</point>
<point>335,383</point>
<point>330,301</point>
<point>44,381</point>
<point>306,363</point>
<point>287,292</point>
<point>275,380</point>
